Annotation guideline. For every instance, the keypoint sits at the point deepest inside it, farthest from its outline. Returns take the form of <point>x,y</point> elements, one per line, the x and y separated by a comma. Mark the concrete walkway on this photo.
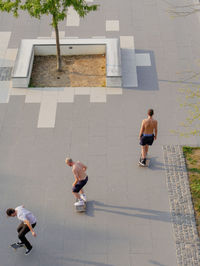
<point>128,218</point>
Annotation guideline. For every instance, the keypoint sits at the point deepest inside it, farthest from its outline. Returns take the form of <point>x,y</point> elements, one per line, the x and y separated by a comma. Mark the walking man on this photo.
<point>81,178</point>
<point>28,222</point>
<point>148,133</point>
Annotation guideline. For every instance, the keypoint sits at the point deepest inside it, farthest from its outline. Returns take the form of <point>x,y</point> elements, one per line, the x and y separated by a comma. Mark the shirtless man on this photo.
<point>81,178</point>
<point>148,133</point>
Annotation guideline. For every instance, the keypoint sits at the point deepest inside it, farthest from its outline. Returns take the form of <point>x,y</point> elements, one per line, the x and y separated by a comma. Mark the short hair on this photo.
<point>10,211</point>
<point>150,112</point>
<point>68,160</point>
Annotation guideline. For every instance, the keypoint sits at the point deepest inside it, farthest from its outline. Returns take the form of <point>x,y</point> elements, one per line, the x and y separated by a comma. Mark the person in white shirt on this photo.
<point>28,222</point>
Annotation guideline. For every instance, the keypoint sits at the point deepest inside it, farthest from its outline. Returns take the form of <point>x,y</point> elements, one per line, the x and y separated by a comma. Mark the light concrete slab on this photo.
<point>66,96</point>
<point>82,91</point>
<point>127,42</point>
<point>4,37</point>
<point>47,112</point>
<point>143,59</point>
<point>98,95</point>
<point>129,71</point>
<point>112,25</point>
<point>33,96</point>
<point>18,91</point>
<point>4,91</point>
<point>114,91</point>
<point>11,54</point>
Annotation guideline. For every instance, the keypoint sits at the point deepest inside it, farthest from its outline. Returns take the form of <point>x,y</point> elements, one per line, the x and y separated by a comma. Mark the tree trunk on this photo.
<point>58,56</point>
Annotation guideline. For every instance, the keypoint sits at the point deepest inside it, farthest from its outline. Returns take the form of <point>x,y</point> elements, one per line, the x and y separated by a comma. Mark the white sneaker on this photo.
<point>83,197</point>
<point>79,203</point>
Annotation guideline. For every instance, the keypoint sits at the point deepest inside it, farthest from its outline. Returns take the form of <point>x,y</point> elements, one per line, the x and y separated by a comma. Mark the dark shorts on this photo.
<point>80,185</point>
<point>146,140</point>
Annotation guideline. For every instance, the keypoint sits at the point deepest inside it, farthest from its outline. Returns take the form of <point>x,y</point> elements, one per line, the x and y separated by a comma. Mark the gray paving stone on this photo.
<point>5,73</point>
<point>128,206</point>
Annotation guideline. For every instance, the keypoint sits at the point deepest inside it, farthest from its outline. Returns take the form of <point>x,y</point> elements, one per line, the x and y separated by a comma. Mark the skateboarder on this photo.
<point>81,178</point>
<point>27,224</point>
<point>148,133</point>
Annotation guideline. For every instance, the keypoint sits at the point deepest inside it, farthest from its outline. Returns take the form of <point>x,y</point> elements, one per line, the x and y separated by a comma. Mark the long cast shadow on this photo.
<point>94,205</point>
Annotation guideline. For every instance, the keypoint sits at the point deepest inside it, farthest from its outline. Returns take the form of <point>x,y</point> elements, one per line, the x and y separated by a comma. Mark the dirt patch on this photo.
<point>78,71</point>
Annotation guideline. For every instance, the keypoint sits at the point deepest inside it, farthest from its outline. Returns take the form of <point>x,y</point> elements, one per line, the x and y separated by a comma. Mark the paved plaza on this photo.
<point>131,211</point>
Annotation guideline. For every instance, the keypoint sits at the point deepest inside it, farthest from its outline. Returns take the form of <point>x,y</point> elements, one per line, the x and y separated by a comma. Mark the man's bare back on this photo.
<point>78,170</point>
<point>149,126</point>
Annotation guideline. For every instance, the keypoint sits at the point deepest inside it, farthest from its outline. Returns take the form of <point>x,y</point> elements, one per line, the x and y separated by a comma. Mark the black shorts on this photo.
<point>80,185</point>
<point>146,140</point>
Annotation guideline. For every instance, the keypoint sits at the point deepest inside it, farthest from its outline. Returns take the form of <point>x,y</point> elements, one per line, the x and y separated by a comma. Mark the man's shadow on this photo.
<point>93,206</point>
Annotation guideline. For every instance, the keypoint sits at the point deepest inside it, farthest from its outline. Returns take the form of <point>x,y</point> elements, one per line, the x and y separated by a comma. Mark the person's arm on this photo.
<point>30,227</point>
<point>76,177</point>
<point>141,129</point>
<point>84,167</point>
<point>156,129</point>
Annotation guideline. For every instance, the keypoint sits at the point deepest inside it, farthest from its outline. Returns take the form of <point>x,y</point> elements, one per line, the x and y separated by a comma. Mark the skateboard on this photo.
<point>147,163</point>
<point>81,208</point>
<point>15,246</point>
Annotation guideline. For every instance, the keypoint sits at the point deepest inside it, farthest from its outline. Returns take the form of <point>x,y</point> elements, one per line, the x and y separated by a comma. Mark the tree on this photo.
<point>56,8</point>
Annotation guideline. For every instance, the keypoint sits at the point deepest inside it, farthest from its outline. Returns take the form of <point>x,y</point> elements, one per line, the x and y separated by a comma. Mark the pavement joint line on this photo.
<point>182,212</point>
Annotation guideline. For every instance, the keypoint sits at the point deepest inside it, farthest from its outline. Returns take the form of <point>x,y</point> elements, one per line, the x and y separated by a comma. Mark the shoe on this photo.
<point>142,162</point>
<point>83,197</point>
<point>28,251</point>
<point>20,244</point>
<point>79,203</point>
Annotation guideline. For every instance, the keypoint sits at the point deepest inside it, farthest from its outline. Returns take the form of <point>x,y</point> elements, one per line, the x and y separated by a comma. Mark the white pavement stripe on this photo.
<point>11,54</point>
<point>143,60</point>
<point>4,37</point>
<point>112,25</point>
<point>127,42</point>
<point>66,96</point>
<point>98,95</point>
<point>18,91</point>
<point>47,114</point>
<point>33,96</point>
<point>9,58</point>
<point>113,91</point>
<point>82,91</point>
<point>73,19</point>
<point>4,91</point>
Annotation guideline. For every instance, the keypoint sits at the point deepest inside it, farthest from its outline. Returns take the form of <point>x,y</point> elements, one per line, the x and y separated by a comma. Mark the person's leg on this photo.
<point>143,152</point>
<point>146,150</point>
<point>19,228</point>
<point>24,230</point>
<point>81,191</point>
<point>77,196</point>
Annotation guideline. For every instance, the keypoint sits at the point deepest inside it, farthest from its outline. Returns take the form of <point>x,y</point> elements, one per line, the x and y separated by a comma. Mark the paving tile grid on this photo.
<point>181,207</point>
